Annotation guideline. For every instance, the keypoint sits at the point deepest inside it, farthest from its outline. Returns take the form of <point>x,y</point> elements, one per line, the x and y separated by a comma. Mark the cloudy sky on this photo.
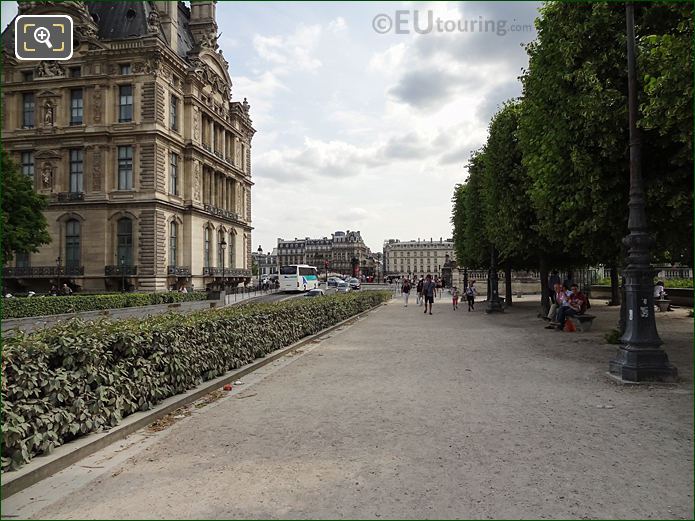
<point>362,130</point>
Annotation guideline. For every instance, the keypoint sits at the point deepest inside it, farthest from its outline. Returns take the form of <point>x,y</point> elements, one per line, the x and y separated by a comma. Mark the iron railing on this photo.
<point>42,271</point>
<point>179,271</point>
<point>211,271</point>
<point>68,196</point>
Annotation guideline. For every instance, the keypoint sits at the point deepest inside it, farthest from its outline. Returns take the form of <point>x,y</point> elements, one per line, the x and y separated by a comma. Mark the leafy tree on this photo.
<point>470,243</point>
<point>573,128</point>
<point>24,227</point>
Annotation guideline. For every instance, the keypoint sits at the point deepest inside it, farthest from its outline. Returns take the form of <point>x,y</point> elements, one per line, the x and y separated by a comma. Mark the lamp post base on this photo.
<point>494,306</point>
<point>642,365</point>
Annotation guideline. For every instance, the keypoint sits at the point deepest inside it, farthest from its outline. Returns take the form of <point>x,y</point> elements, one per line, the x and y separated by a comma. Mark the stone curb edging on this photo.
<point>73,451</point>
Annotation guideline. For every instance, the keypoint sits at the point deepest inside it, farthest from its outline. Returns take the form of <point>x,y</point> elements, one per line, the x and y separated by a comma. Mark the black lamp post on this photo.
<point>639,356</point>
<point>123,273</point>
<point>260,253</point>
<point>58,261</point>
<point>223,247</point>
<point>493,304</point>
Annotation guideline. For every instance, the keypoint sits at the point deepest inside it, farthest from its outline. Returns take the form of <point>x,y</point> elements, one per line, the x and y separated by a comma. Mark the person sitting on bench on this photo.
<point>577,303</point>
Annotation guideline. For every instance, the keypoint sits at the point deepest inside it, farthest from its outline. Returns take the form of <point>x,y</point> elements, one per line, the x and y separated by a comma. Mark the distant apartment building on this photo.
<point>267,263</point>
<point>417,258</point>
<point>345,252</point>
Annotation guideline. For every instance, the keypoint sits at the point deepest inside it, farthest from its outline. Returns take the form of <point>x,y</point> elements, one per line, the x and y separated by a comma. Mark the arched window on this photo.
<point>124,245</point>
<point>206,248</point>
<point>72,243</point>
<point>173,237</point>
<point>220,251</point>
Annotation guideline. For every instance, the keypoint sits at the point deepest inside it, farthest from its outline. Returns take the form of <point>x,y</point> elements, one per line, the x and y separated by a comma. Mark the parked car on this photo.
<point>333,281</point>
<point>342,287</point>
<point>354,283</point>
<point>315,293</point>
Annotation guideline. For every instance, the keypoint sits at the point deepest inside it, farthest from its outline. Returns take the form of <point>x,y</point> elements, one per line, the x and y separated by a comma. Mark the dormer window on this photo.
<point>125,68</point>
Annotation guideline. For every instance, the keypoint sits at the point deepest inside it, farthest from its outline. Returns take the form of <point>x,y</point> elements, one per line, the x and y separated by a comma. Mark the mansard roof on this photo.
<point>114,20</point>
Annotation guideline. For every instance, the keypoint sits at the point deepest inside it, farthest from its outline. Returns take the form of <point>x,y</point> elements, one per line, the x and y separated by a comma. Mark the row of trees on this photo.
<point>550,186</point>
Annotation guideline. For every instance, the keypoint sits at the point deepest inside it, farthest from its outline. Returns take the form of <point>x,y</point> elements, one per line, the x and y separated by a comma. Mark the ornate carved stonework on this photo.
<point>209,41</point>
<point>153,22</point>
<point>196,180</point>
<point>96,169</point>
<point>196,123</point>
<point>49,69</point>
<point>48,114</point>
<point>97,104</point>
<point>47,175</point>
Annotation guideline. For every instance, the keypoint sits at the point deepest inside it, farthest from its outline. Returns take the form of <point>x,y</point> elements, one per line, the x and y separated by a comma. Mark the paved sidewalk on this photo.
<point>406,415</point>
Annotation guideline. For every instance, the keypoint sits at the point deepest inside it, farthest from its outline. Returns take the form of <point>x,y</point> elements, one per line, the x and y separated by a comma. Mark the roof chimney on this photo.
<point>203,22</point>
<point>169,20</point>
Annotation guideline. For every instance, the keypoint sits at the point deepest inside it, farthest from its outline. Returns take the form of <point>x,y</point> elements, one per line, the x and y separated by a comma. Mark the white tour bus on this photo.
<point>298,277</point>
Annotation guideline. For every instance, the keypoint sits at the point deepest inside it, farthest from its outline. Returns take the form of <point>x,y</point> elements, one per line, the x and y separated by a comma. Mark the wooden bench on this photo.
<point>583,322</point>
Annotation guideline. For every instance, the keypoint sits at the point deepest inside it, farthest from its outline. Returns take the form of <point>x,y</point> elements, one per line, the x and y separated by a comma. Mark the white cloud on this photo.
<point>292,52</point>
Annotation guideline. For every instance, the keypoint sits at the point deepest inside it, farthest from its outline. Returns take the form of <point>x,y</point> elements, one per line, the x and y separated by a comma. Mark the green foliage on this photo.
<point>573,126</point>
<point>24,227</point>
<point>668,283</point>
<point>81,377</point>
<point>41,306</point>
<point>510,219</point>
<point>470,241</point>
<point>678,283</point>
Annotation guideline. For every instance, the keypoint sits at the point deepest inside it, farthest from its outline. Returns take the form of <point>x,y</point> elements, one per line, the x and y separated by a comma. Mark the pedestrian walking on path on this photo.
<point>455,297</point>
<point>420,284</point>
<point>405,289</point>
<point>428,289</point>
<point>471,292</point>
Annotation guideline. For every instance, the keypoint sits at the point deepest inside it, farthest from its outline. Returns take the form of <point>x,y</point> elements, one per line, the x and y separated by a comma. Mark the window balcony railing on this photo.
<point>68,196</point>
<point>179,271</point>
<point>42,271</point>
<point>228,272</point>
<point>120,271</point>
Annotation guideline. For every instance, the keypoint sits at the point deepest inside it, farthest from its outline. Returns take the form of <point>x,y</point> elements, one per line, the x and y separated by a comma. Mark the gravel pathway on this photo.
<point>406,415</point>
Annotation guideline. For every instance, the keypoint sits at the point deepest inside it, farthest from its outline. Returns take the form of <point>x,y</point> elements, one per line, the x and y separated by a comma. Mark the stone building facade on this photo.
<point>345,252</point>
<point>139,146</point>
<point>417,258</point>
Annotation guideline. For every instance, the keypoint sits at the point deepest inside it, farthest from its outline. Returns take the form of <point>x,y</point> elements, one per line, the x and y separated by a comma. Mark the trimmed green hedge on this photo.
<point>41,306</point>
<point>81,377</point>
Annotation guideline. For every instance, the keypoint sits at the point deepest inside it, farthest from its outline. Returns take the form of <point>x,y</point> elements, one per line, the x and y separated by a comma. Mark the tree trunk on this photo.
<point>615,288</point>
<point>543,268</point>
<point>508,283</point>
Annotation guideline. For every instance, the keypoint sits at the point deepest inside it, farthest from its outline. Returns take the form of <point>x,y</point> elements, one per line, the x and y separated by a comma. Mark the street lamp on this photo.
<point>260,253</point>
<point>123,273</point>
<point>639,355</point>
<point>223,247</point>
<point>58,261</point>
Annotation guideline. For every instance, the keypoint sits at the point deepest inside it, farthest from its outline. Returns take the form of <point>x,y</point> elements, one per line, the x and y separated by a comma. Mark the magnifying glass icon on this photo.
<point>43,35</point>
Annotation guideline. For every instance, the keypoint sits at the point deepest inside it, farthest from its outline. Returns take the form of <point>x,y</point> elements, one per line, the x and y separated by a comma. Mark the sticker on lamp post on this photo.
<point>43,37</point>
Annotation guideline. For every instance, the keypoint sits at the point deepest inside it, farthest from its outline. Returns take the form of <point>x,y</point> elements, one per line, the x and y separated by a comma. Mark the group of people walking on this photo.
<point>427,288</point>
